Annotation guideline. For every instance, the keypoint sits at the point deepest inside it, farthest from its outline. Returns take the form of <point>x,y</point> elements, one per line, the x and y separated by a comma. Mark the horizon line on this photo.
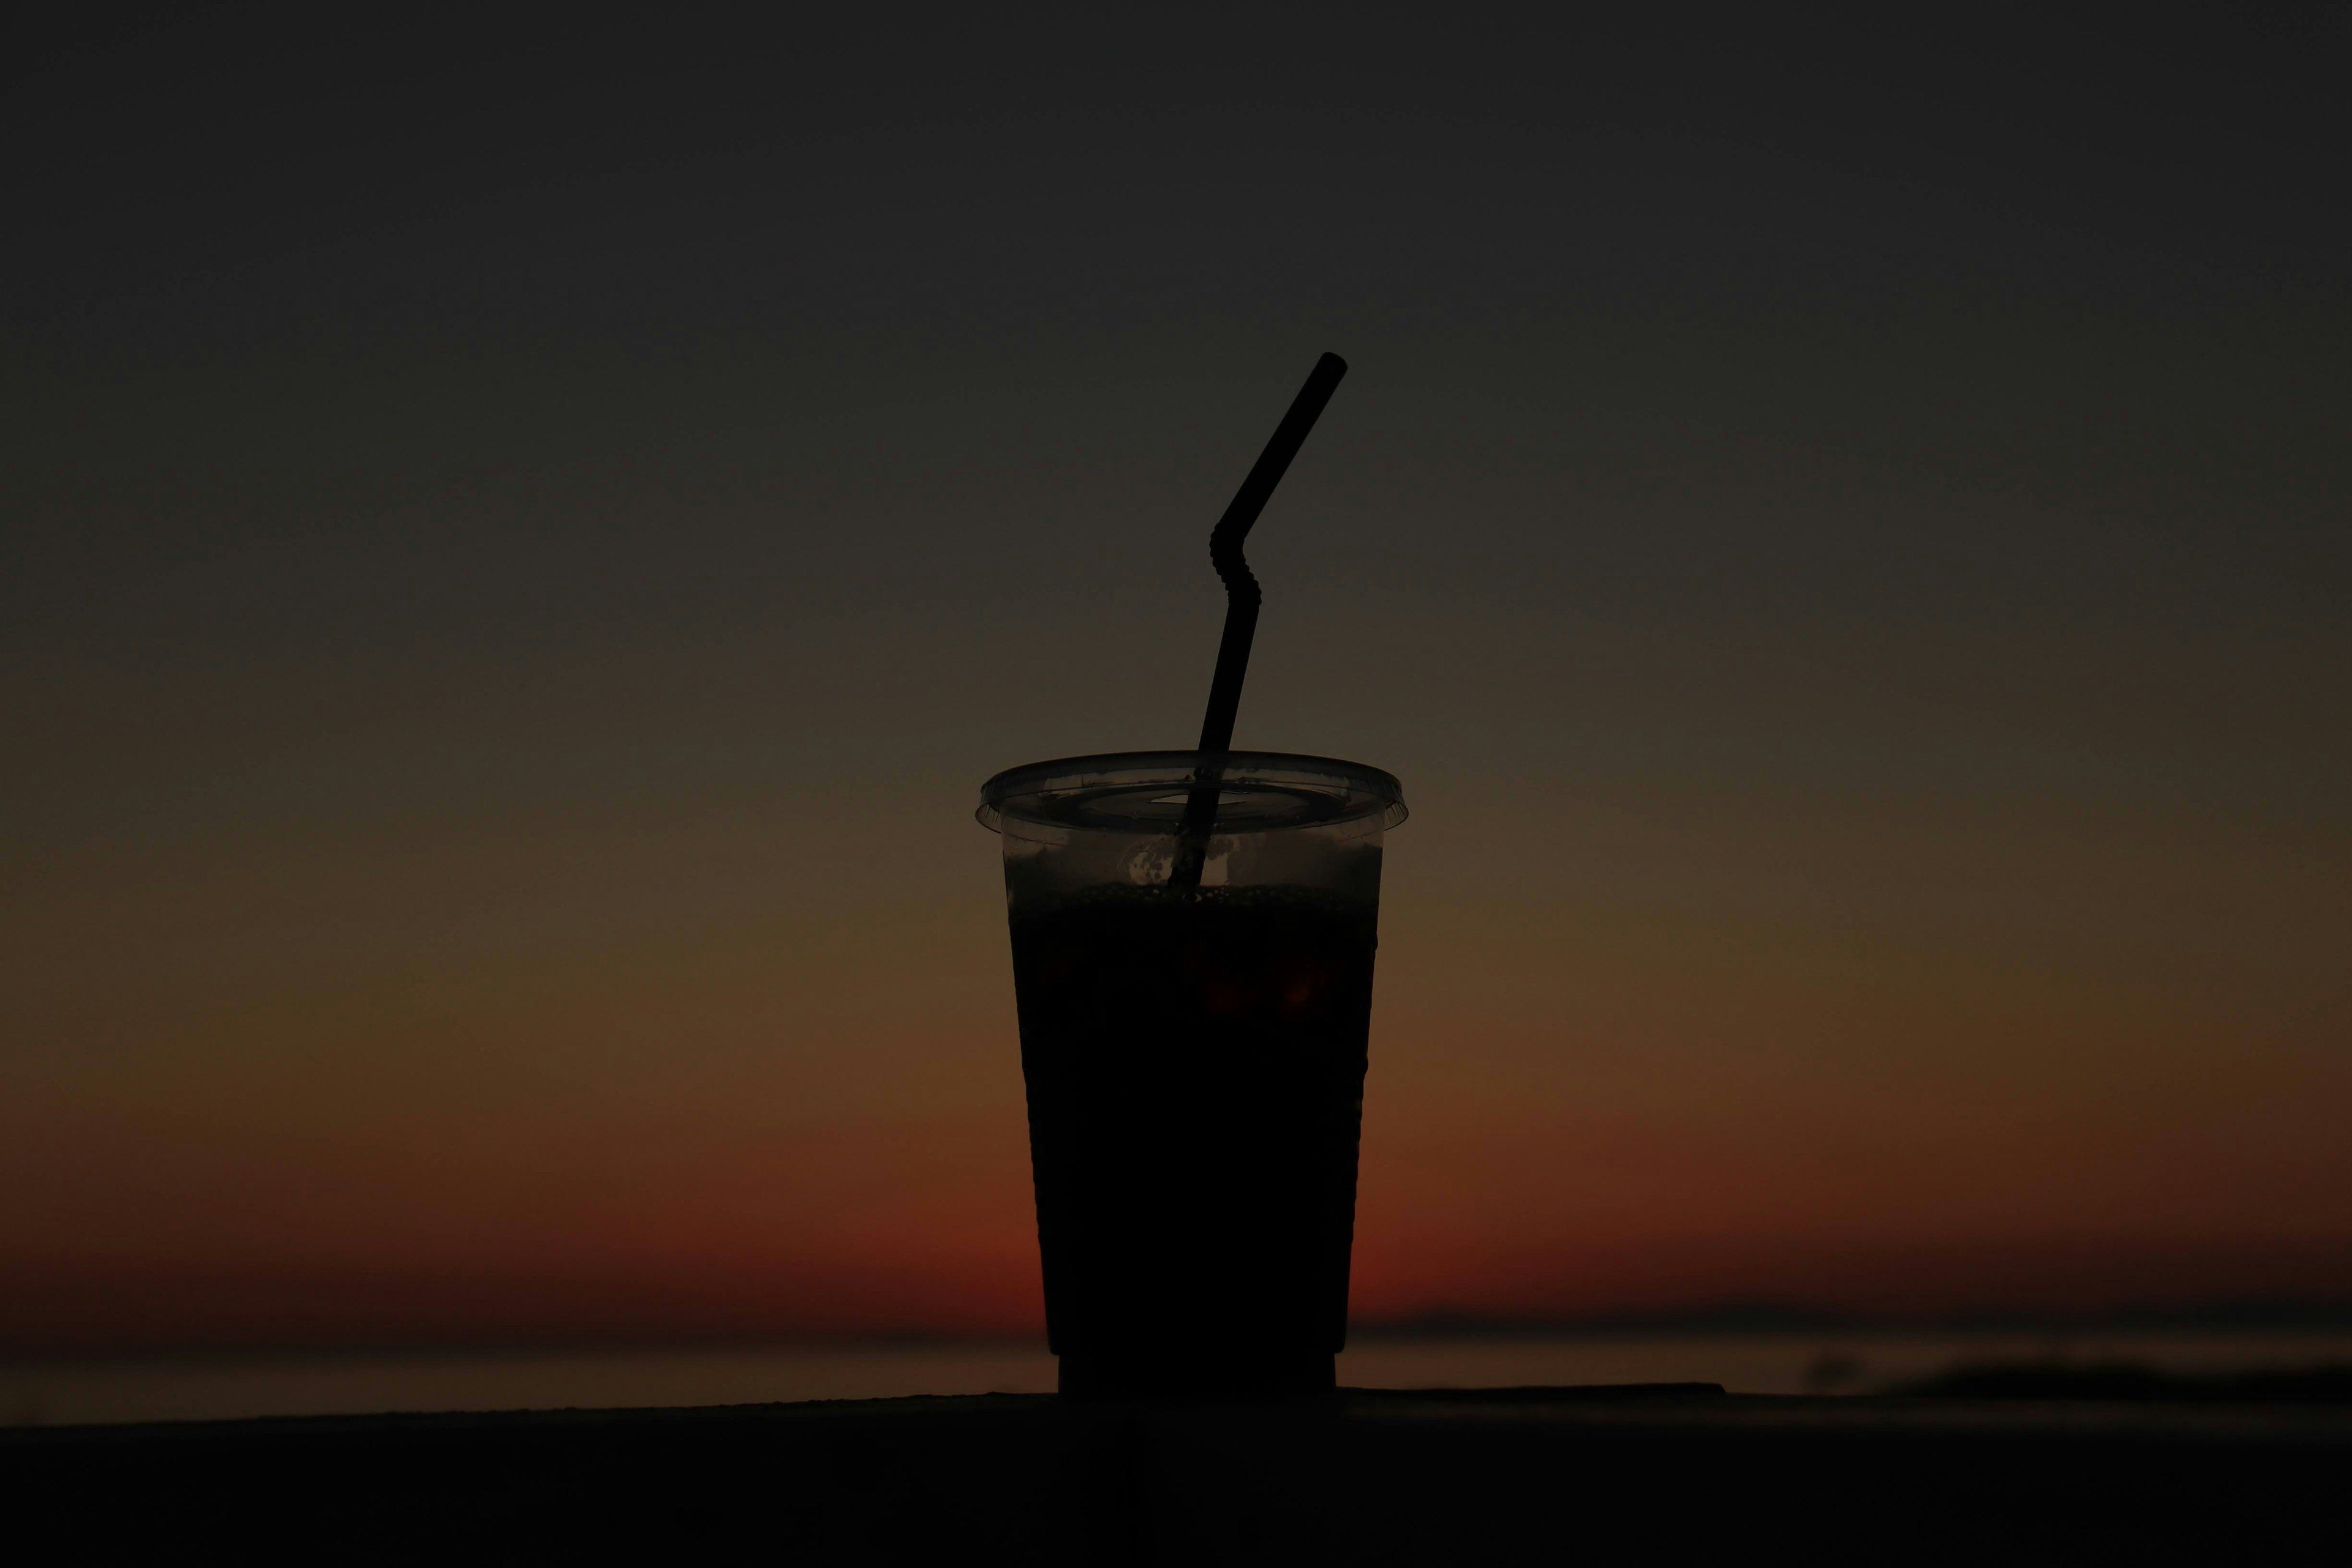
<point>1760,1316</point>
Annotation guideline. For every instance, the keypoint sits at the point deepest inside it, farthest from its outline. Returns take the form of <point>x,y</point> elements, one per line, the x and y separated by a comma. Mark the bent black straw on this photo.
<point>1241,601</point>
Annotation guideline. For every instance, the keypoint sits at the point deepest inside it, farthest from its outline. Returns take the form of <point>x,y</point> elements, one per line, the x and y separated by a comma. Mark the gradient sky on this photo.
<point>522,538</point>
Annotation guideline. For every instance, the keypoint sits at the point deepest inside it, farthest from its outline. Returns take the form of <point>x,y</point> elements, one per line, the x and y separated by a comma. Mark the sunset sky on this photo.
<point>519,545</point>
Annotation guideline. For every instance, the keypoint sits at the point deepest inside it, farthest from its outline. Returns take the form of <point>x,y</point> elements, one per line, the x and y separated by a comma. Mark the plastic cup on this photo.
<point>1194,1060</point>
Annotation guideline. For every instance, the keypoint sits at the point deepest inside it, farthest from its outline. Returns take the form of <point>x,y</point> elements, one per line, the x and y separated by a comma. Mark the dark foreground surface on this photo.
<point>1656,1474</point>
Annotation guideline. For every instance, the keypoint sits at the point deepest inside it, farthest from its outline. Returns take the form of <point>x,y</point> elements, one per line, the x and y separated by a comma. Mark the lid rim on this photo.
<point>1386,793</point>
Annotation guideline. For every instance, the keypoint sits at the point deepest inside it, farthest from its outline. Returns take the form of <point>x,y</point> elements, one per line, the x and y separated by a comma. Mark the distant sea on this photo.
<point>228,1386</point>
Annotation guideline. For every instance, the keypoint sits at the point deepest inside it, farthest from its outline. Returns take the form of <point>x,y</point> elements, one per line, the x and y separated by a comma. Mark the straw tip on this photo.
<point>1331,363</point>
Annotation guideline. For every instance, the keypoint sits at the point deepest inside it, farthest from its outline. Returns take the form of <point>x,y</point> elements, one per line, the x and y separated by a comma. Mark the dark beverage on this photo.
<point>1195,1066</point>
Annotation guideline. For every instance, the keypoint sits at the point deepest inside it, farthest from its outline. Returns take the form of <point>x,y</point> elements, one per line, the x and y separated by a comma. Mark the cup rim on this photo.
<point>1109,790</point>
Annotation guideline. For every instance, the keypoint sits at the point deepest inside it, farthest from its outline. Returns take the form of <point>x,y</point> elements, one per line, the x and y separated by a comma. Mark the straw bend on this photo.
<point>1225,554</point>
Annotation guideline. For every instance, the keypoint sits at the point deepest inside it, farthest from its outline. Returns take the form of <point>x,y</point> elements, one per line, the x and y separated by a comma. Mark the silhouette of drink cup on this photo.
<point>1192,941</point>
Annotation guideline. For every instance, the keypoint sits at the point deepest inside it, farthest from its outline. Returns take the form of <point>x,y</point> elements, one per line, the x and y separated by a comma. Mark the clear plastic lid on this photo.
<point>1145,792</point>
